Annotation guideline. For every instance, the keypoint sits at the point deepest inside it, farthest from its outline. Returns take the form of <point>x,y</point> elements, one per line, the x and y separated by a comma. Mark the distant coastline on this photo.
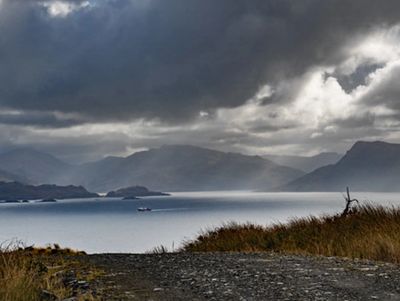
<point>15,191</point>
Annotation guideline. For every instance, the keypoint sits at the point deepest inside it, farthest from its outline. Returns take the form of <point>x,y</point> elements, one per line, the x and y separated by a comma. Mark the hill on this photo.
<point>306,164</point>
<point>10,177</point>
<point>183,168</point>
<point>367,166</point>
<point>32,166</point>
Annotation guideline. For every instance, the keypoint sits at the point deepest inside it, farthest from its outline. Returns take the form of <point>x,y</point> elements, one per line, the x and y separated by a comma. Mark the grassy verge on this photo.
<point>368,232</point>
<point>30,274</point>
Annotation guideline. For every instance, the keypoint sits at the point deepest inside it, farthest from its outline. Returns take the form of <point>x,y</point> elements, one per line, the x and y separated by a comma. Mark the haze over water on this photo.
<point>104,225</point>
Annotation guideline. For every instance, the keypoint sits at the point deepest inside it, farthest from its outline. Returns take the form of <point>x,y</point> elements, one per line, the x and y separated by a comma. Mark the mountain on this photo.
<point>10,177</point>
<point>306,164</point>
<point>32,166</point>
<point>18,191</point>
<point>134,191</point>
<point>183,168</point>
<point>367,166</point>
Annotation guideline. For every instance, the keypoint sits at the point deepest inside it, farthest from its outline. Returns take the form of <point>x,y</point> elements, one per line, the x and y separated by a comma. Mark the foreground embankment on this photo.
<point>367,232</point>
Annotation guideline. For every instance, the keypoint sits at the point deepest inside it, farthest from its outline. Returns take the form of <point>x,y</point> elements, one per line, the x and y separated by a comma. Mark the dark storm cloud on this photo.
<point>124,59</point>
<point>359,77</point>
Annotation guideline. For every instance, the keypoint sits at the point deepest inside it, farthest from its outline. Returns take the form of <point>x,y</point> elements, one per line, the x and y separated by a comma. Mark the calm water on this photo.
<point>114,225</point>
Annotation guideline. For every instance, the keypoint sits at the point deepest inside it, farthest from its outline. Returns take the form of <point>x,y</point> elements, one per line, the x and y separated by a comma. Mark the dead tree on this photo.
<point>349,201</point>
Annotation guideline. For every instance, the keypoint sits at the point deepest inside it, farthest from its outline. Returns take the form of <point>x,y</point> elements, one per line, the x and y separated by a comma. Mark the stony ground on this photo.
<point>237,276</point>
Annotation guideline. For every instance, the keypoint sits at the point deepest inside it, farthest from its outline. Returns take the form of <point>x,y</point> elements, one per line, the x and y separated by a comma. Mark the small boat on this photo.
<point>130,198</point>
<point>143,209</point>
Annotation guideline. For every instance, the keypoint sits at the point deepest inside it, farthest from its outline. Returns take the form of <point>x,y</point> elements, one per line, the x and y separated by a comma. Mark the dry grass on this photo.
<point>26,273</point>
<point>368,232</point>
<point>159,250</point>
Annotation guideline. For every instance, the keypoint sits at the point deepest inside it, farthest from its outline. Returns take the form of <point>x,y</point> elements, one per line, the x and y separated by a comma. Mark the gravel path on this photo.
<point>237,276</point>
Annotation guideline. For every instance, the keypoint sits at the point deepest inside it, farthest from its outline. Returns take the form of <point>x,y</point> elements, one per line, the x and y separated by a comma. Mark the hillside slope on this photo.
<point>306,164</point>
<point>367,166</point>
<point>183,168</point>
<point>32,166</point>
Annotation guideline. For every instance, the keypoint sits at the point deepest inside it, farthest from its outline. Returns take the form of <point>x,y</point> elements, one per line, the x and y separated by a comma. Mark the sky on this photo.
<point>83,79</point>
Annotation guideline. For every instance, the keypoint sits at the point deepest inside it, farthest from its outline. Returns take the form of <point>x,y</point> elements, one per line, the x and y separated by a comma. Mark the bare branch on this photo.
<point>349,201</point>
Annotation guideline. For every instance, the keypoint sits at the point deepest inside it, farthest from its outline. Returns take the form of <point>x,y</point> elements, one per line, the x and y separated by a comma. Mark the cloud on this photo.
<point>169,61</point>
<point>262,76</point>
<point>38,119</point>
<point>63,8</point>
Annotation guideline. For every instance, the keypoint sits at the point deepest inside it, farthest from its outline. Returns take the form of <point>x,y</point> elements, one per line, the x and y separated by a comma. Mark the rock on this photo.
<point>47,296</point>
<point>83,284</point>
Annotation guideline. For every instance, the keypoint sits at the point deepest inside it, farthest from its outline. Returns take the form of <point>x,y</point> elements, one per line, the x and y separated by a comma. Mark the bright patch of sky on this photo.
<point>62,9</point>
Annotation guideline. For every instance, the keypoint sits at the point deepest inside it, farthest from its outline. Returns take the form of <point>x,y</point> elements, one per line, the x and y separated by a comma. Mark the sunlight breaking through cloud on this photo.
<point>61,8</point>
<point>254,78</point>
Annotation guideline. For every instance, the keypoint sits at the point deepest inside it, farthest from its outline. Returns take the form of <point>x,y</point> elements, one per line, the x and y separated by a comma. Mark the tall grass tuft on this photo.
<point>26,274</point>
<point>159,250</point>
<point>368,232</point>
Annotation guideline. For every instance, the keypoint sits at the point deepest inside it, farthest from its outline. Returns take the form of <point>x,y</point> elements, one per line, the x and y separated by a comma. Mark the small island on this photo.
<point>133,192</point>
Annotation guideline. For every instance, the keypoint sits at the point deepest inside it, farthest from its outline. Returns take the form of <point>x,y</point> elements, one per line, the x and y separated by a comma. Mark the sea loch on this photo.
<point>110,225</point>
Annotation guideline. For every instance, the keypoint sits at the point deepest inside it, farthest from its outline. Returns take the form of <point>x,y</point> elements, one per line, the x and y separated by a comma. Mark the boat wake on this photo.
<point>169,209</point>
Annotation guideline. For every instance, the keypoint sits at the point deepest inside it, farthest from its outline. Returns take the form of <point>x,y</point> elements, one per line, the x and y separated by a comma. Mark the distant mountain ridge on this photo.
<point>6,176</point>
<point>168,168</point>
<point>306,164</point>
<point>182,168</point>
<point>31,166</point>
<point>367,166</point>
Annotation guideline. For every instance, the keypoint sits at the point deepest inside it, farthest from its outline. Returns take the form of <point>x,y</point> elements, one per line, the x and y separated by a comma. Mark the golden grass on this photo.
<point>26,273</point>
<point>368,232</point>
<point>159,250</point>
